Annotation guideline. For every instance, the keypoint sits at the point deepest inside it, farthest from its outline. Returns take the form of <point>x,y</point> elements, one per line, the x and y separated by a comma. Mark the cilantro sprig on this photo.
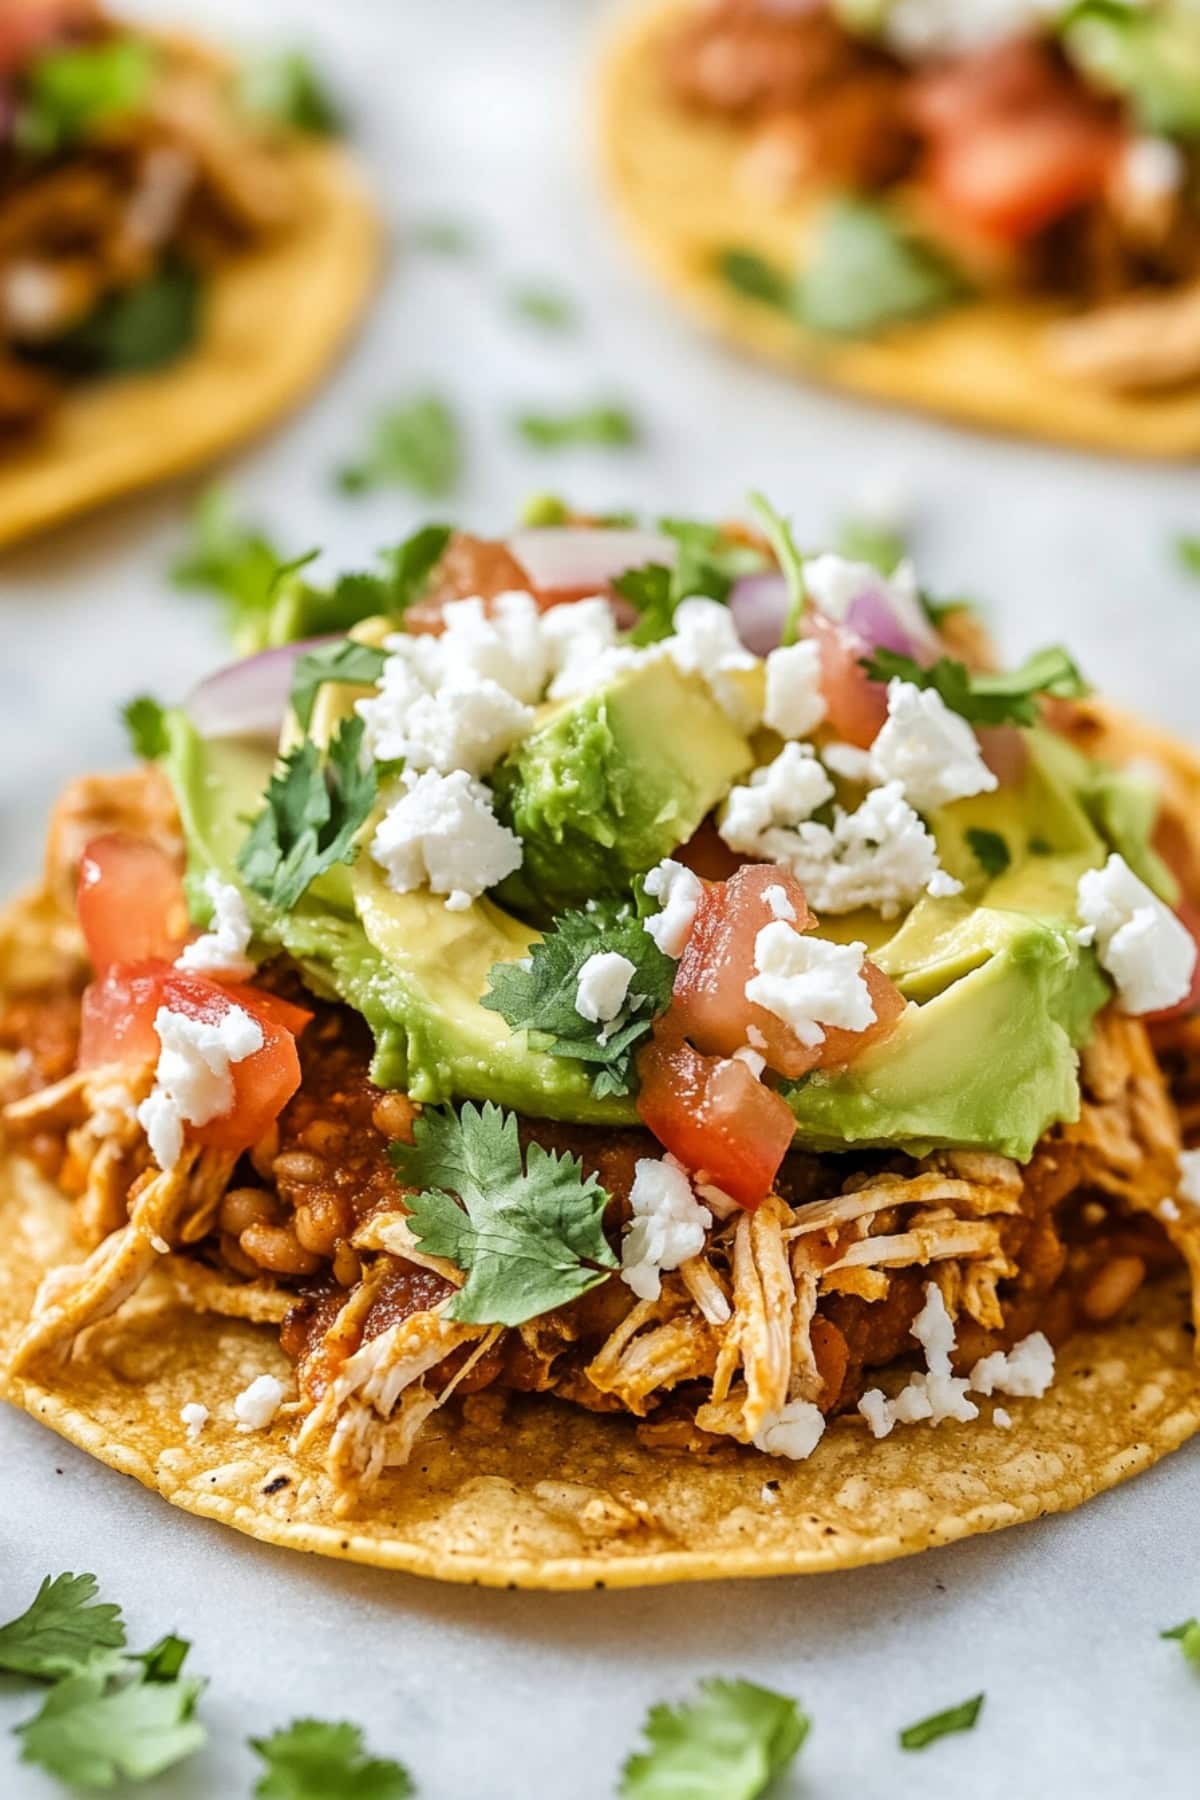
<point>69,92</point>
<point>541,999</point>
<point>729,1744</point>
<point>528,1233</point>
<point>141,327</point>
<point>312,816</point>
<point>416,444</point>
<point>707,563</point>
<point>284,88</point>
<point>604,426</point>
<point>939,1725</point>
<point>1187,1636</point>
<point>145,723</point>
<point>312,1759</point>
<point>1007,697</point>
<point>344,661</point>
<point>62,1630</point>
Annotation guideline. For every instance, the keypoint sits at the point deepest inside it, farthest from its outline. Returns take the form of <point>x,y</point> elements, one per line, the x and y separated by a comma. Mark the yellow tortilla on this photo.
<point>674,177</point>
<point>554,1496</point>
<point>274,319</point>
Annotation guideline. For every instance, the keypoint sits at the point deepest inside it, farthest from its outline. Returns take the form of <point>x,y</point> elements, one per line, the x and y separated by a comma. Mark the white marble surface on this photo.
<point>480,107</point>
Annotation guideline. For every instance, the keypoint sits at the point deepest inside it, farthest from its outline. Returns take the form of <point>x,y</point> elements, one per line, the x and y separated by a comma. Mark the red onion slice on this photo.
<point>872,618</point>
<point>565,557</point>
<point>759,604</point>
<point>248,698</point>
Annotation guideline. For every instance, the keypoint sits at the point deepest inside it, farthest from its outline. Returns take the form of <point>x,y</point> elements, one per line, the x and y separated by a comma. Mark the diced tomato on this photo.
<point>710,1005</point>
<point>723,1125</point>
<point>708,855</point>
<point>130,902</point>
<point>948,98</point>
<point>856,707</point>
<point>1010,179</point>
<point>1188,914</point>
<point>30,25</point>
<point>264,1005</point>
<point>841,1046</point>
<point>118,1009</point>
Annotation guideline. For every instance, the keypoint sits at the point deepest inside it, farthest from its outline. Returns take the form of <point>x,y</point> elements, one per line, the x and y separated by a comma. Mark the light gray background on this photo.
<point>480,108</point>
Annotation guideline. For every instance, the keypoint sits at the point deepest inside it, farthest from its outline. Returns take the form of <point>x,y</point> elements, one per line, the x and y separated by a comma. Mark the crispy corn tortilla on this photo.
<point>556,1497</point>
<point>274,319</point>
<point>674,177</point>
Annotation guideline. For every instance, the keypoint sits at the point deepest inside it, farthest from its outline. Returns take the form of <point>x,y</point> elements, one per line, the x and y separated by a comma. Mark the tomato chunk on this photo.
<point>722,1124</point>
<point>709,1001</point>
<point>841,1046</point>
<point>130,902</point>
<point>856,707</point>
<point>118,1011</point>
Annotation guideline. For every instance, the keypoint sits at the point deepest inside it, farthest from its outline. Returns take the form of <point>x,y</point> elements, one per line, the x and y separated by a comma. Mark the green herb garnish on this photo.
<point>730,1744</point>
<point>285,89</point>
<point>939,1725</point>
<point>1187,1636</point>
<point>541,999</point>
<point>140,327</point>
<point>861,540</point>
<point>95,1729</point>
<point>604,426</point>
<point>313,1760</point>
<point>1187,549</point>
<point>529,1236</point>
<point>1000,699</point>
<point>778,533</point>
<point>545,307</point>
<point>68,93</point>
<point>752,275</point>
<point>990,850</point>
<point>144,721</point>
<point>312,815</point>
<point>416,445</point>
<point>63,1630</point>
<point>357,665</point>
<point>865,272</point>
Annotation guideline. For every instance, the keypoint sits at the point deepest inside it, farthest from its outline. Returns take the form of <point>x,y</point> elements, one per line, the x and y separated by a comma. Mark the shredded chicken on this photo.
<point>1149,342</point>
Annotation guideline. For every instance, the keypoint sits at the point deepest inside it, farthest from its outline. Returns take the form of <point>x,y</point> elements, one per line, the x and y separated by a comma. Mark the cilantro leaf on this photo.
<point>1188,551</point>
<point>778,533</point>
<point>866,272</point>
<point>285,89</point>
<point>529,1238</point>
<point>313,814</point>
<point>939,1725</point>
<point>416,445</point>
<point>163,1661</point>
<point>729,1744</point>
<point>61,1631</point>
<point>1187,1636</point>
<point>444,236</point>
<point>313,1760</point>
<point>359,665</point>
<point>545,307</point>
<point>752,275</point>
<point>607,427</point>
<point>90,1732</point>
<point>139,327</point>
<point>233,560</point>
<point>651,591</point>
<point>707,563</point>
<point>143,720</point>
<point>411,563</point>
<point>994,699</point>
<point>989,849</point>
<point>541,999</point>
<point>67,92</point>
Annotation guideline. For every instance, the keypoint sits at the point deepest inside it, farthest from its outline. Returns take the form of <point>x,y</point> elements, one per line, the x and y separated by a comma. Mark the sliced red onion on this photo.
<point>247,698</point>
<point>563,556</point>
<point>872,617</point>
<point>759,604</point>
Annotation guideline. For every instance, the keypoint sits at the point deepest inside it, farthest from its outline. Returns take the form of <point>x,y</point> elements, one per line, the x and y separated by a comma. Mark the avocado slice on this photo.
<point>607,785</point>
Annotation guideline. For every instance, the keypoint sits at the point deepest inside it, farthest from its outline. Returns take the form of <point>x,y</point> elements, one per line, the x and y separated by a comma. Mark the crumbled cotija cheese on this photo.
<point>193,1080</point>
<point>441,833</point>
<point>809,982</point>
<point>795,704</point>
<point>223,947</point>
<point>1149,953</point>
<point>782,793</point>
<point>195,1416</point>
<point>929,750</point>
<point>1026,1370</point>
<point>667,1227</point>
<point>879,855</point>
<point>602,986</point>
<point>256,1405</point>
<point>937,1393</point>
<point>705,642</point>
<point>794,1431</point>
<point>678,893</point>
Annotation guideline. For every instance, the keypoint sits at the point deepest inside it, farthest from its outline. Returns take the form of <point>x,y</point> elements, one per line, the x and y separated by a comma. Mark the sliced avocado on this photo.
<point>607,785</point>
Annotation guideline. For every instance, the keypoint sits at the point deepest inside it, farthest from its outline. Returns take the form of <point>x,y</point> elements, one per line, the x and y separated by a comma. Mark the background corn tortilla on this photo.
<point>674,176</point>
<point>273,319</point>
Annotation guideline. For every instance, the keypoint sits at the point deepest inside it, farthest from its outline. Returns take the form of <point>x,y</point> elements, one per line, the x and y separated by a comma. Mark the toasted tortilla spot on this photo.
<point>675,179</point>
<point>558,1497</point>
<point>274,319</point>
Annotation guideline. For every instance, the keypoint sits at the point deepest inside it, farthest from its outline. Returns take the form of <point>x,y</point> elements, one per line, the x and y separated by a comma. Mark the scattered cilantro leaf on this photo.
<point>411,563</point>
<point>68,92</point>
<point>752,275</point>
<point>730,1744</point>
<point>778,533</point>
<point>1149,56</point>
<point>607,427</point>
<point>529,1238</point>
<point>314,1760</point>
<point>235,561</point>
<point>416,444</point>
<point>139,327</point>
<point>990,850</point>
<point>1187,1636</point>
<point>650,590</point>
<point>861,540</point>
<point>90,1732</point>
<point>546,307</point>
<point>993,699</point>
<point>359,665</point>
<point>143,719</point>
<point>285,89</point>
<point>444,236</point>
<point>541,999</point>
<point>313,814</point>
<point>707,563</point>
<point>1187,549</point>
<point>61,1631</point>
<point>866,272</point>
<point>939,1725</point>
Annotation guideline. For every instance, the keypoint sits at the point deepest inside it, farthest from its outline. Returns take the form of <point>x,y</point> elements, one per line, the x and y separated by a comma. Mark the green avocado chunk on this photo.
<point>607,785</point>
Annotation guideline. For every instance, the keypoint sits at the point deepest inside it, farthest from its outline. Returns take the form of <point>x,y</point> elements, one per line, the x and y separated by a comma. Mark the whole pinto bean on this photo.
<point>1112,1286</point>
<point>276,1247</point>
<point>322,1217</point>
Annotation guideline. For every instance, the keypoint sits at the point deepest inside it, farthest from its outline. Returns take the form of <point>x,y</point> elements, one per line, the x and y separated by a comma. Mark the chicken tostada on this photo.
<point>183,248</point>
<point>646,1057</point>
<point>988,211</point>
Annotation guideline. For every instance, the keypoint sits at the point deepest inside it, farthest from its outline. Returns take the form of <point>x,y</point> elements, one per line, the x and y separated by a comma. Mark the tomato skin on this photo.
<point>118,1008</point>
<point>709,1004</point>
<point>711,1113</point>
<point>130,902</point>
<point>1011,179</point>
<point>842,1047</point>
<point>265,1005</point>
<point>1188,914</point>
<point>856,707</point>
